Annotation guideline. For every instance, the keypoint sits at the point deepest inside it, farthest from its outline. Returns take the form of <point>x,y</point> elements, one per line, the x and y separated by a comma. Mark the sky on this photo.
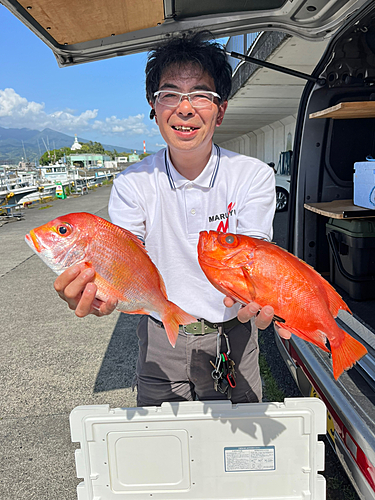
<point>101,101</point>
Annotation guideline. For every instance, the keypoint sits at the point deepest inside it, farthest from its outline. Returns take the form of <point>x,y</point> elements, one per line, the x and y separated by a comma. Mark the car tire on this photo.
<point>282,199</point>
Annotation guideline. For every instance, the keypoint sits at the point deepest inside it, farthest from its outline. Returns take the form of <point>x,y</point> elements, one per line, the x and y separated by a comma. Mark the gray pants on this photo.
<point>183,373</point>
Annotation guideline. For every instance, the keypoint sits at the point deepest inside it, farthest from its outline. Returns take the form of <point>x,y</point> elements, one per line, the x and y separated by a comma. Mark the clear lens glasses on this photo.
<point>198,99</point>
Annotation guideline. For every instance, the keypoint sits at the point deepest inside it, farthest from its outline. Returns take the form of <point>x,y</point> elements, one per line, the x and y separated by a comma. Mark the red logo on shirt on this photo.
<point>223,227</point>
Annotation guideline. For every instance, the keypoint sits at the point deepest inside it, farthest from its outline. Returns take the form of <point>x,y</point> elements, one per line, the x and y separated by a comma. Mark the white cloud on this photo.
<point>133,125</point>
<point>17,112</point>
<point>161,145</point>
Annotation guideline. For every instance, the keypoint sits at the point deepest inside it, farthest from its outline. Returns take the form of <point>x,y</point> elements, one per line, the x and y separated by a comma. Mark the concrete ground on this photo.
<point>51,361</point>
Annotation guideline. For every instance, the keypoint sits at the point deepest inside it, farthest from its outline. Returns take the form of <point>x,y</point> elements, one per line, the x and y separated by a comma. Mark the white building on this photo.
<point>122,159</point>
<point>76,145</point>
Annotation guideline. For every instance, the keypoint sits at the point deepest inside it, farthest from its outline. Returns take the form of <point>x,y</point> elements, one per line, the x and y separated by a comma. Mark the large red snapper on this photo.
<point>249,269</point>
<point>123,268</point>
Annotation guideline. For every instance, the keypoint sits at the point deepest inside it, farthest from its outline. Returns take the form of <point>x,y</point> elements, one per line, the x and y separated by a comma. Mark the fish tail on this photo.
<point>346,354</point>
<point>172,318</point>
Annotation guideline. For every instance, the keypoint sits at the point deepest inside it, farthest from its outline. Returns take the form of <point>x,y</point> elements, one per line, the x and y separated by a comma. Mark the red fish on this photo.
<point>123,268</point>
<point>249,269</point>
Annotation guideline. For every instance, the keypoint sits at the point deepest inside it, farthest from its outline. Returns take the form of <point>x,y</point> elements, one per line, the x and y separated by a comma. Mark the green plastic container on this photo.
<point>352,256</point>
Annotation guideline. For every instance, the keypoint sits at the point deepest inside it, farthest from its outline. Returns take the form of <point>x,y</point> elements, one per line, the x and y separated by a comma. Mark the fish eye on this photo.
<point>64,229</point>
<point>228,240</point>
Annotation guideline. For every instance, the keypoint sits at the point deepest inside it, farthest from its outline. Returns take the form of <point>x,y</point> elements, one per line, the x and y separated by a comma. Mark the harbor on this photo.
<point>39,184</point>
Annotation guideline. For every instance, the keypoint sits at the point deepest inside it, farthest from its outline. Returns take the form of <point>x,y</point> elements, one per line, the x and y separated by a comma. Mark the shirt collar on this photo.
<point>205,179</point>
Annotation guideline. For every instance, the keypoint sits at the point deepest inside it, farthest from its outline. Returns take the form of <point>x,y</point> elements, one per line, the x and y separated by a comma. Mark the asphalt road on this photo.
<point>51,361</point>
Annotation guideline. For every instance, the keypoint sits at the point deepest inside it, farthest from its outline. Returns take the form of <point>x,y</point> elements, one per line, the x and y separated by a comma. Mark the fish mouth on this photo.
<point>206,244</point>
<point>205,241</point>
<point>33,242</point>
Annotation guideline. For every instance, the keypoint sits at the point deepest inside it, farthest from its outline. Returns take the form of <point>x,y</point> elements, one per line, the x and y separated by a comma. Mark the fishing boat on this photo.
<point>44,192</point>
<point>13,187</point>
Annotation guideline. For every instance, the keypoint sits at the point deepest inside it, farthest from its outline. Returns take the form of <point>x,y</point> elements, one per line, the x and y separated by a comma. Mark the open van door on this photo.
<point>91,30</point>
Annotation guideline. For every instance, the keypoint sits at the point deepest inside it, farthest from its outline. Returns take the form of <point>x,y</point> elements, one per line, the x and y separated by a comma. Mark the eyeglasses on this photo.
<point>197,99</point>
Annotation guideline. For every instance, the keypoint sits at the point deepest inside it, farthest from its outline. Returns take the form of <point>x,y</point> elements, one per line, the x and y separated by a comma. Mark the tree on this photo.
<point>112,154</point>
<point>54,156</point>
<point>92,147</point>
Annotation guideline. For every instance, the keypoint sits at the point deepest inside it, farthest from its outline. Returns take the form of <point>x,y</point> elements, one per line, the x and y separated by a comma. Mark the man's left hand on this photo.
<point>264,316</point>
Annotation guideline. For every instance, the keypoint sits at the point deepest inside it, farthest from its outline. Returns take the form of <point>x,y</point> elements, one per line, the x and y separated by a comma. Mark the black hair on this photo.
<point>193,48</point>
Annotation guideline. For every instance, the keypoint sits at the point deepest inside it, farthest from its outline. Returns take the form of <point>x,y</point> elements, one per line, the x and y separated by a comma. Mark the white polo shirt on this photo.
<point>234,193</point>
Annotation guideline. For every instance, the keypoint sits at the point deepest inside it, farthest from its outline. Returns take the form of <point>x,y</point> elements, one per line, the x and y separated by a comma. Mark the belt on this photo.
<point>203,326</point>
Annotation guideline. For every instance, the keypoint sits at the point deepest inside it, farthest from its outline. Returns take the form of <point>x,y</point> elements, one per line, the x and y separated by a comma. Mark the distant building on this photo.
<point>122,159</point>
<point>88,160</point>
<point>133,157</point>
<point>110,164</point>
<point>76,145</point>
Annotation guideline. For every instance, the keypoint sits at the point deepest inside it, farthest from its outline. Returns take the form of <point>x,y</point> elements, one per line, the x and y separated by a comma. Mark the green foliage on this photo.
<point>87,147</point>
<point>54,156</point>
<point>143,155</point>
<point>92,147</point>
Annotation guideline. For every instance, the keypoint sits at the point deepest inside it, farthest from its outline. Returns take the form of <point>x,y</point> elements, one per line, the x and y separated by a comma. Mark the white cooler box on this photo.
<point>201,450</point>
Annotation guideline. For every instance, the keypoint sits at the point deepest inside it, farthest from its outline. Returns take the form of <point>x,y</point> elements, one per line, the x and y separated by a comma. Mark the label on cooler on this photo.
<point>249,458</point>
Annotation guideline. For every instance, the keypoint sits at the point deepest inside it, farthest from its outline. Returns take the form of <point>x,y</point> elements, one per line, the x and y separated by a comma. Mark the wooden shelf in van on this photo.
<point>340,209</point>
<point>347,110</point>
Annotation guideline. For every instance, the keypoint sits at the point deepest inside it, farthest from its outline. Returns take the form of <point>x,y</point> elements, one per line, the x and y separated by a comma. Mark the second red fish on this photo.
<point>248,269</point>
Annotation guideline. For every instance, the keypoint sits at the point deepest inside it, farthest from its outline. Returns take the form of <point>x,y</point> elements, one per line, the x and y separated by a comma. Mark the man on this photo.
<point>166,200</point>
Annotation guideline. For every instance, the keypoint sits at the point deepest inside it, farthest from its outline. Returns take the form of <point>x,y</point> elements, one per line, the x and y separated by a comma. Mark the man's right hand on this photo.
<point>75,286</point>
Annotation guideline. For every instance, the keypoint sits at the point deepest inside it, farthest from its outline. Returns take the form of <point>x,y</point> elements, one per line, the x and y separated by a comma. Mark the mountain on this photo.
<point>16,142</point>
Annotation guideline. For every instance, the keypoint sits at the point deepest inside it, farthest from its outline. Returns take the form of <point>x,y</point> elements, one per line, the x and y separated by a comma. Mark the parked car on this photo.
<point>282,192</point>
<point>324,152</point>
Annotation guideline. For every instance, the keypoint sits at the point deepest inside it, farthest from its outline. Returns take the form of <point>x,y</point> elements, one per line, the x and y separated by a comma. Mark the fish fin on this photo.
<point>345,355</point>
<point>249,281</point>
<point>335,302</point>
<point>172,317</point>
<point>133,237</point>
<point>240,290</point>
<point>236,296</point>
<point>162,284</point>
<point>242,294</point>
<point>315,337</point>
<point>121,306</point>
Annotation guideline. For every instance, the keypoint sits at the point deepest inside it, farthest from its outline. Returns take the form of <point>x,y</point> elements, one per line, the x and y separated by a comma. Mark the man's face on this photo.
<point>199,124</point>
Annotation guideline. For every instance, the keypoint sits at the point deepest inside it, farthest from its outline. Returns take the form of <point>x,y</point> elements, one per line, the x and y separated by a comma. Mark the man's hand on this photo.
<point>264,316</point>
<point>75,286</point>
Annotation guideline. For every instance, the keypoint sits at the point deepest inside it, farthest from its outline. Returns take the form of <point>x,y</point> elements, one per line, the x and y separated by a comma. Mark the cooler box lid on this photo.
<point>357,228</point>
<point>201,450</point>
<point>364,165</point>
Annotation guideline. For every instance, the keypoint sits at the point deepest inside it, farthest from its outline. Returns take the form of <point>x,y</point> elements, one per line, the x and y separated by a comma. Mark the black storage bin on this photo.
<point>352,256</point>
